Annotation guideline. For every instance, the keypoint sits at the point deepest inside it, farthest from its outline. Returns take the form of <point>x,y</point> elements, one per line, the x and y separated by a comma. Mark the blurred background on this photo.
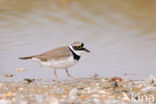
<point>120,34</point>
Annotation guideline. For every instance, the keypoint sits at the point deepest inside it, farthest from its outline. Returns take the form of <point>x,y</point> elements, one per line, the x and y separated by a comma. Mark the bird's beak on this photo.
<point>86,50</point>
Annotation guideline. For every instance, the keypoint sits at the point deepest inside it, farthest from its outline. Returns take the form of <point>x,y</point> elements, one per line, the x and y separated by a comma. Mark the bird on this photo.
<point>62,57</point>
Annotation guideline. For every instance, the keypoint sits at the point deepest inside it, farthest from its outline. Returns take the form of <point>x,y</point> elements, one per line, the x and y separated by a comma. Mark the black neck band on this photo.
<point>75,56</point>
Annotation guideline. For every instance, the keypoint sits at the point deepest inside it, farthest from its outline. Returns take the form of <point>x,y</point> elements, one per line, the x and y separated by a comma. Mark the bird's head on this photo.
<point>78,48</point>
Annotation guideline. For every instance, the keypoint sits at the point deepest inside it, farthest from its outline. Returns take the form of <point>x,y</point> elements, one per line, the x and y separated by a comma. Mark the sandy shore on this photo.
<point>94,90</point>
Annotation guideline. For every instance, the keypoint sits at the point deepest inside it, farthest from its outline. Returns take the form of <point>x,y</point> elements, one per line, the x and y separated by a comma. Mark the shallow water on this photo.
<point>120,35</point>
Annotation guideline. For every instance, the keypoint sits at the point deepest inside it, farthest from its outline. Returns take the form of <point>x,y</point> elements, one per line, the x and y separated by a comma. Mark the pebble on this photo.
<point>20,69</point>
<point>150,80</point>
<point>38,98</point>
<point>29,80</point>
<point>97,84</point>
<point>149,89</point>
<point>96,95</point>
<point>84,96</point>
<point>117,79</point>
<point>91,90</point>
<point>1,85</point>
<point>3,101</point>
<point>114,84</point>
<point>102,92</point>
<point>8,75</point>
<point>9,94</point>
<point>96,101</point>
<point>59,90</point>
<point>73,93</point>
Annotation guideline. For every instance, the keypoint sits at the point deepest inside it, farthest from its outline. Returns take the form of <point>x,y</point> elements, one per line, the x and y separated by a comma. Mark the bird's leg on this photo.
<point>71,75</point>
<point>56,75</point>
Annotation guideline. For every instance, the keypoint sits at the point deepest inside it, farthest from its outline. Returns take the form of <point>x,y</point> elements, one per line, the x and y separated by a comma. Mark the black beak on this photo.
<point>86,50</point>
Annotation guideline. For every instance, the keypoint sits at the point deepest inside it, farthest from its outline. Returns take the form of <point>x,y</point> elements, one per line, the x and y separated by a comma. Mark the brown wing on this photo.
<point>55,54</point>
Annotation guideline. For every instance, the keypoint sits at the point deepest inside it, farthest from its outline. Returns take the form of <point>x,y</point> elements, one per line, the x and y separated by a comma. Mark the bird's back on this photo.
<point>54,54</point>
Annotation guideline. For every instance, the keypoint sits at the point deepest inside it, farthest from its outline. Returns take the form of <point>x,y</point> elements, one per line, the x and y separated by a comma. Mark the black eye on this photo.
<point>79,47</point>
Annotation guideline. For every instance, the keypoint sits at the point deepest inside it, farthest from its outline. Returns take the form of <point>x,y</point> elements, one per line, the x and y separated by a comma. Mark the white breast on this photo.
<point>59,64</point>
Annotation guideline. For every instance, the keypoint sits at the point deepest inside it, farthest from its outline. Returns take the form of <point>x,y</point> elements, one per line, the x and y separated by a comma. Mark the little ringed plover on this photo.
<point>60,58</point>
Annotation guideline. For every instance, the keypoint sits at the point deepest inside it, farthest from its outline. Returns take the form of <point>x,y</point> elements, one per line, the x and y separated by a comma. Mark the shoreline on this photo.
<point>99,90</point>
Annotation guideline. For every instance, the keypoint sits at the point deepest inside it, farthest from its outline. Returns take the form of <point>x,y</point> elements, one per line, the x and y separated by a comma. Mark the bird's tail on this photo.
<point>24,58</point>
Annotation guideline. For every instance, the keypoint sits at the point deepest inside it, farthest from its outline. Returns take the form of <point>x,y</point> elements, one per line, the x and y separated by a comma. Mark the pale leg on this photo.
<point>71,75</point>
<point>56,75</point>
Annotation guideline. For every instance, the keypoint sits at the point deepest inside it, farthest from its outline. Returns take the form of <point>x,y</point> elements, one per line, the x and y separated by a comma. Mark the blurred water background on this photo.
<point>120,34</point>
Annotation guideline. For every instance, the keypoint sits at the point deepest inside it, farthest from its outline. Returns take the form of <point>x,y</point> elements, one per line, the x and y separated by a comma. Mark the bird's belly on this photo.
<point>60,64</point>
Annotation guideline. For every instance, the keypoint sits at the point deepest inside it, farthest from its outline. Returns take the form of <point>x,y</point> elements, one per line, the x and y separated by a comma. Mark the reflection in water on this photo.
<point>120,34</point>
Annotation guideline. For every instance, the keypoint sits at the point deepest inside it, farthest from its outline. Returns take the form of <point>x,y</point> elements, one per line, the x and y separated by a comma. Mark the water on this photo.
<point>120,35</point>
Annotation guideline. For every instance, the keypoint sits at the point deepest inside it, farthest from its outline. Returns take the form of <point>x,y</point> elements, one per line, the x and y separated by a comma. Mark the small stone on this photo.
<point>114,84</point>
<point>148,89</point>
<point>1,85</point>
<point>83,92</point>
<point>8,75</point>
<point>53,100</point>
<point>150,80</point>
<point>96,96</point>
<point>84,96</point>
<point>95,76</point>
<point>29,80</point>
<point>101,91</point>
<point>139,85</point>
<point>73,93</point>
<point>38,98</point>
<point>18,100</point>
<point>21,89</point>
<point>20,69</point>
<point>97,84</point>
<point>64,96</point>
<point>59,90</point>
<point>116,79</point>
<point>105,97</point>
<point>80,88</point>
<point>96,101</point>
<point>3,101</point>
<point>9,94</point>
<point>92,90</point>
<point>102,79</point>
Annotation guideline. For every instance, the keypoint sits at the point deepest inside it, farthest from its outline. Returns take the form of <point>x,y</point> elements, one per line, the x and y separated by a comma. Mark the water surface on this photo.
<point>121,35</point>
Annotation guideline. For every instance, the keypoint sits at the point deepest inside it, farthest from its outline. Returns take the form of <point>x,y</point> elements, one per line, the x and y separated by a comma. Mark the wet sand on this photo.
<point>93,90</point>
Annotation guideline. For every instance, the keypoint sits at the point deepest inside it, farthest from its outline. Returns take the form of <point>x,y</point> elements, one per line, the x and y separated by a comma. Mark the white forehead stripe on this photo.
<point>76,43</point>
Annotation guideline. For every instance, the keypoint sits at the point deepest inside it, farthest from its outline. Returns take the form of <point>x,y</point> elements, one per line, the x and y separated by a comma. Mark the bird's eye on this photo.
<point>79,47</point>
